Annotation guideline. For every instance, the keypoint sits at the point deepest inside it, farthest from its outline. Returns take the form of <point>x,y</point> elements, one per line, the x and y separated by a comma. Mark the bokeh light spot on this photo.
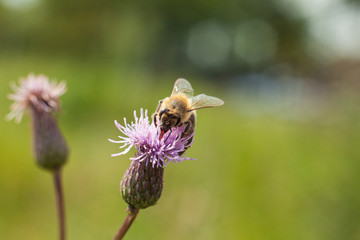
<point>255,42</point>
<point>208,45</point>
<point>19,4</point>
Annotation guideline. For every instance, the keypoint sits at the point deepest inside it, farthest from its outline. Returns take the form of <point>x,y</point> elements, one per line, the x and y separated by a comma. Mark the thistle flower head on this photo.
<point>37,92</point>
<point>153,148</point>
<point>42,98</point>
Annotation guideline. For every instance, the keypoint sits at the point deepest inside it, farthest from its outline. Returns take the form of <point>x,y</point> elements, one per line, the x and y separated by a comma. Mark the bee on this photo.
<point>180,108</point>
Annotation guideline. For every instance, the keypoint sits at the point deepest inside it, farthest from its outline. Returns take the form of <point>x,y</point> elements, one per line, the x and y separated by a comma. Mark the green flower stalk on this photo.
<point>41,97</point>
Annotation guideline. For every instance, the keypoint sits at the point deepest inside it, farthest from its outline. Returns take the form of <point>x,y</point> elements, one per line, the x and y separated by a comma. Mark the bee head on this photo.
<point>168,119</point>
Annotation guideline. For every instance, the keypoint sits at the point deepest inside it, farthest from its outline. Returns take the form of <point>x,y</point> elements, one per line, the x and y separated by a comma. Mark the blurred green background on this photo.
<point>280,160</point>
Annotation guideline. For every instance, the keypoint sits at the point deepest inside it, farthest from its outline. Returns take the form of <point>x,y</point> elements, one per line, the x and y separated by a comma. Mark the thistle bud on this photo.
<point>142,185</point>
<point>50,148</point>
<point>41,97</point>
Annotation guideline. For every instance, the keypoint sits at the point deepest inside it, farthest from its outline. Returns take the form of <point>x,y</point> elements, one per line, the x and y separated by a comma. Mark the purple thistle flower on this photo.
<point>152,146</point>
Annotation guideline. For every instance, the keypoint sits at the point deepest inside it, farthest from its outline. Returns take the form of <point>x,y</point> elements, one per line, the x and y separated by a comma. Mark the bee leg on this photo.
<point>154,119</point>
<point>154,116</point>
<point>158,106</point>
<point>156,112</point>
<point>187,126</point>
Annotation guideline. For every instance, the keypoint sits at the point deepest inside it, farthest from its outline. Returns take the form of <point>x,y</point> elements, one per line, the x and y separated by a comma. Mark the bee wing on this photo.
<point>204,101</point>
<point>183,86</point>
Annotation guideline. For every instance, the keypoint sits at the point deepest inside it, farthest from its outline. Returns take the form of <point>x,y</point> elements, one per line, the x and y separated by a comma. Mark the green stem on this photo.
<point>126,224</point>
<point>59,197</point>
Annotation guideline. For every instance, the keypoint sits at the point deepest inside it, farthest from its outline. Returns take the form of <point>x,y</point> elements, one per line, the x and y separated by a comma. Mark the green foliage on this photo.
<point>154,33</point>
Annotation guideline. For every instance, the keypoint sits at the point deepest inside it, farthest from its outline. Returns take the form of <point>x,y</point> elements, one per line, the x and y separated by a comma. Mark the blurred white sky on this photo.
<point>334,26</point>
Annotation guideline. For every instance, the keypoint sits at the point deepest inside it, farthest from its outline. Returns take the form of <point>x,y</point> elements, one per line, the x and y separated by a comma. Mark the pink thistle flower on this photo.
<point>36,92</point>
<point>152,148</point>
<point>41,97</point>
